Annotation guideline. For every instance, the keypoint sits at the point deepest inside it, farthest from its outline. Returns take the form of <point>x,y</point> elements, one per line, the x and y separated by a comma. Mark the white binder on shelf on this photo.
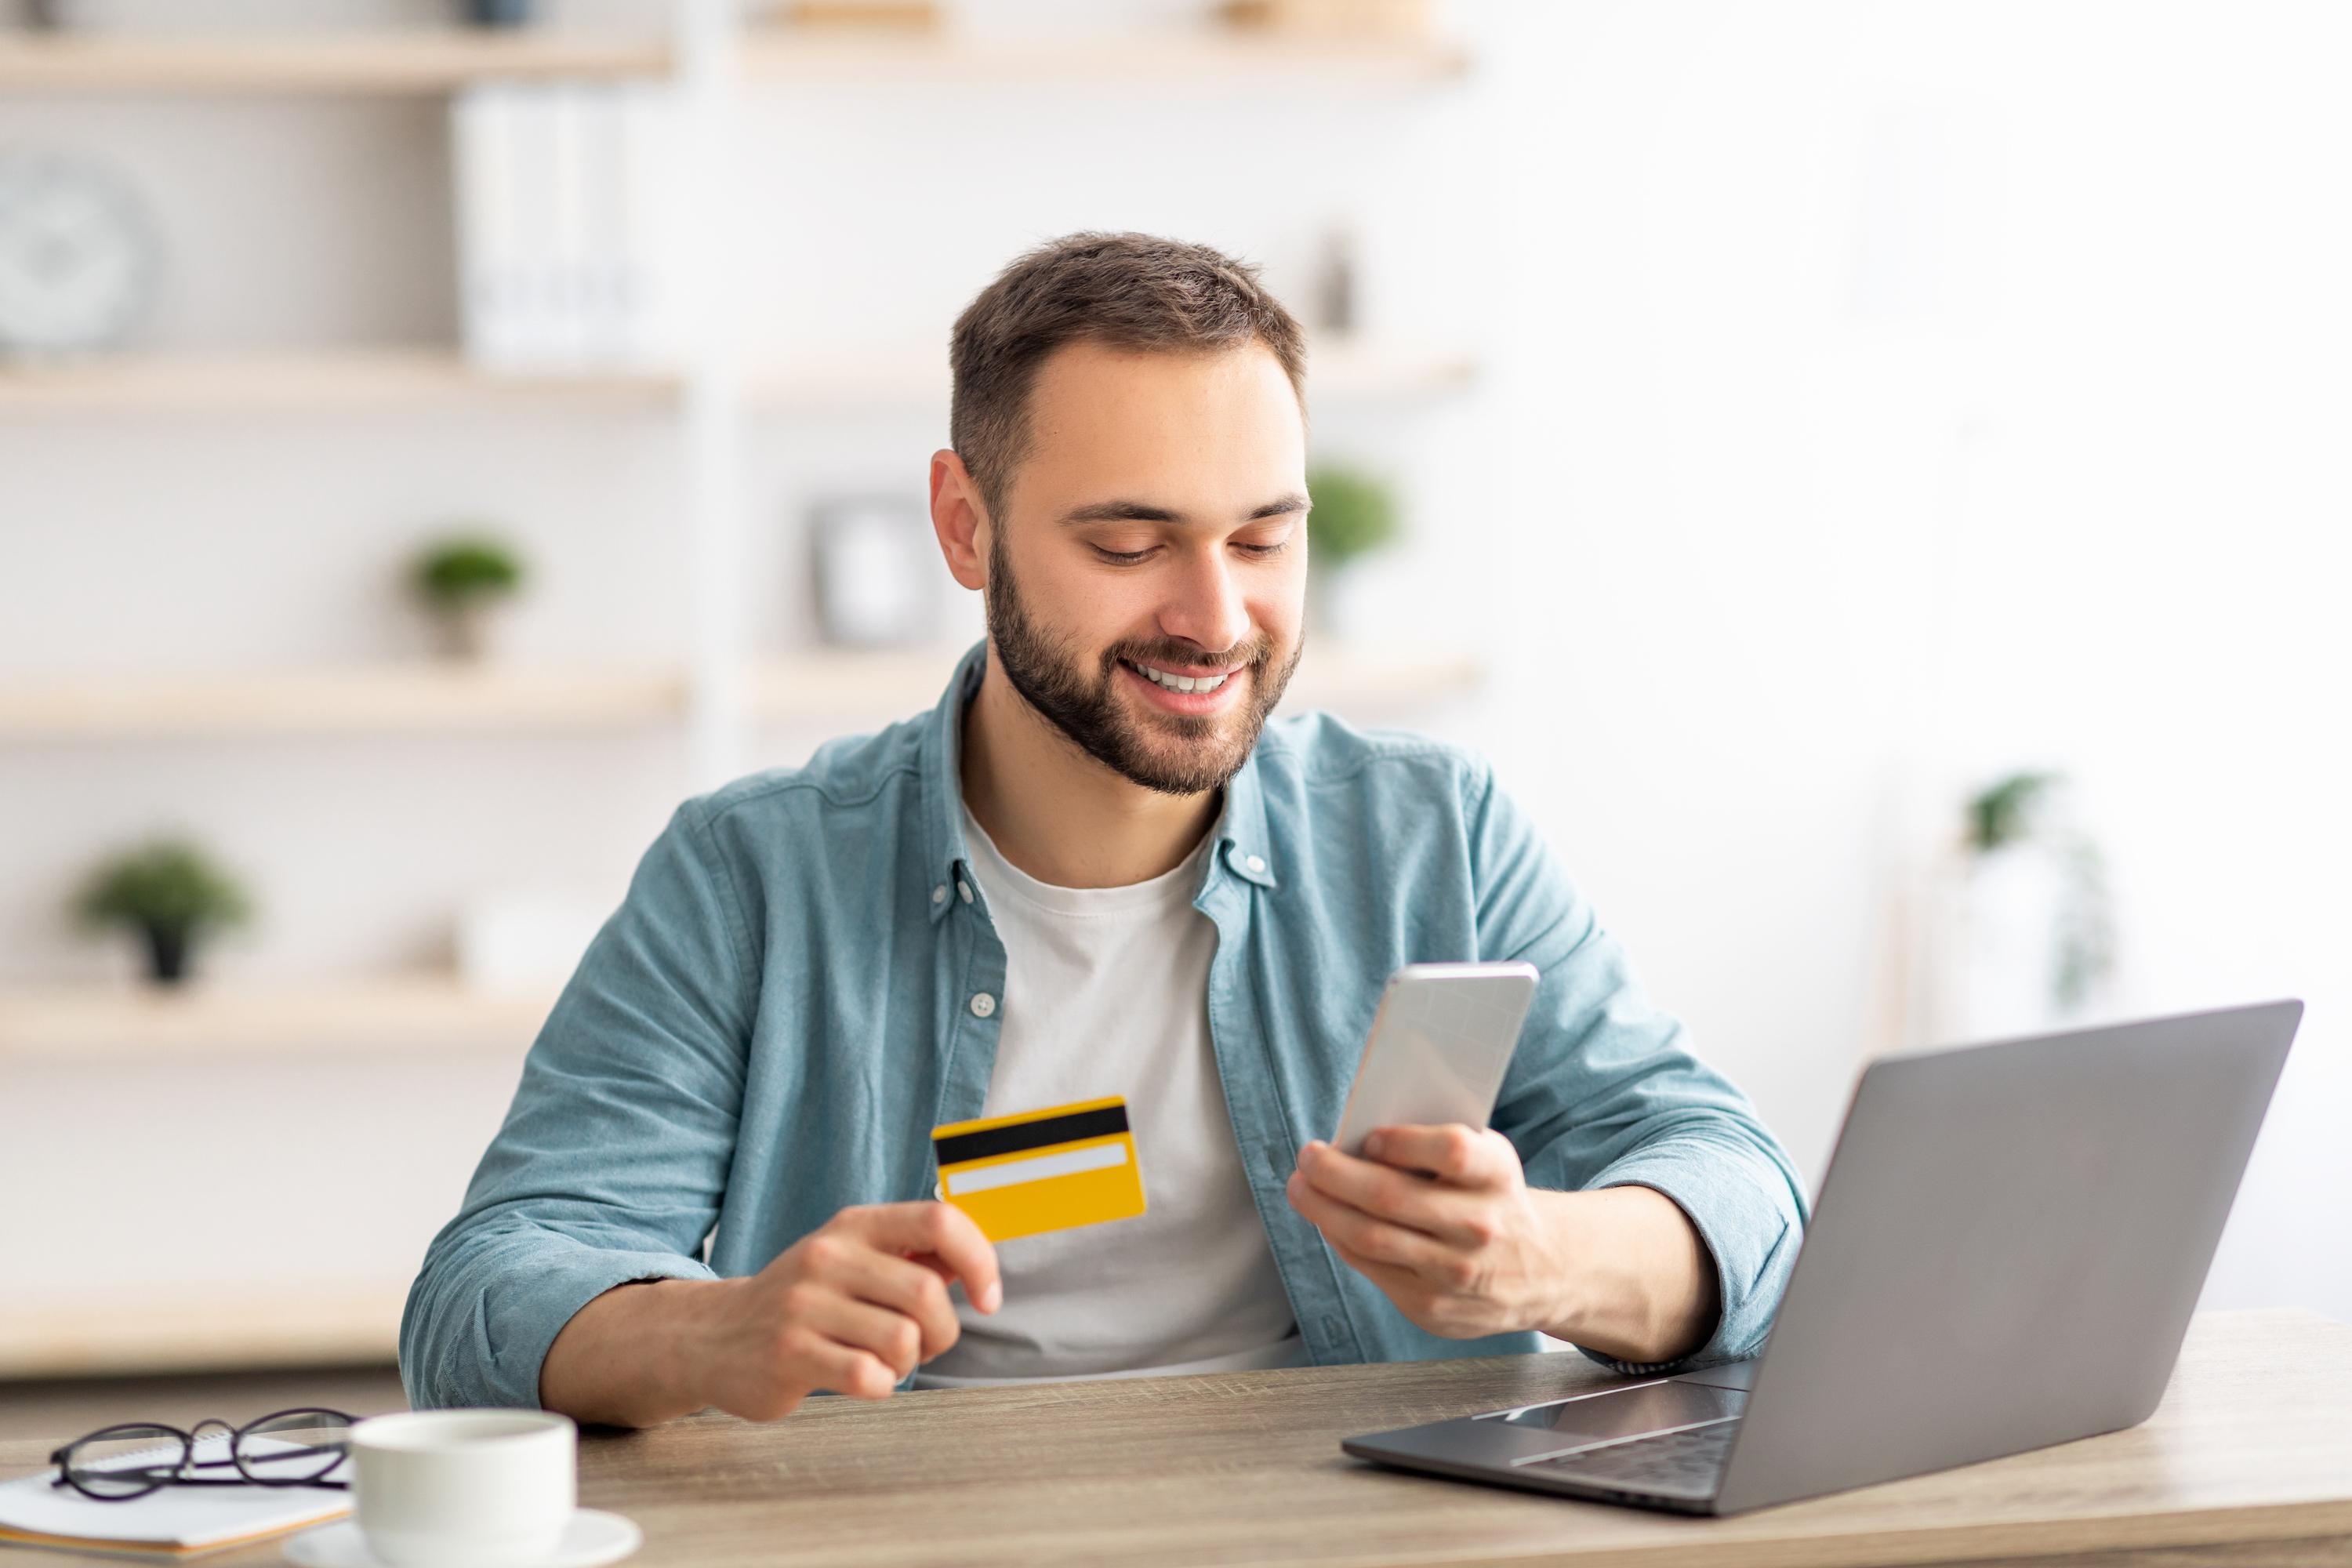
<point>567,226</point>
<point>648,223</point>
<point>490,247</point>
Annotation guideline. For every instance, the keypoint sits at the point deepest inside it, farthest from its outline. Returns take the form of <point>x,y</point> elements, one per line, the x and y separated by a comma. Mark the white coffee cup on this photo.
<point>465,1489</point>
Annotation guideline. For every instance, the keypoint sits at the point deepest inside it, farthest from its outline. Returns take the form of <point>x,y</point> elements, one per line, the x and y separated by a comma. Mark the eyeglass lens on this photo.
<point>292,1448</point>
<point>125,1461</point>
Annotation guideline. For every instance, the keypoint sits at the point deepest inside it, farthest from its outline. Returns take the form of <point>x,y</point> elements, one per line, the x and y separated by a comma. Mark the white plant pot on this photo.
<point>2009,936</point>
<point>470,633</point>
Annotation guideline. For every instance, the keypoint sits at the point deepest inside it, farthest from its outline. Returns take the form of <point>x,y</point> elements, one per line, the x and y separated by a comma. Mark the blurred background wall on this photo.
<point>1804,418</point>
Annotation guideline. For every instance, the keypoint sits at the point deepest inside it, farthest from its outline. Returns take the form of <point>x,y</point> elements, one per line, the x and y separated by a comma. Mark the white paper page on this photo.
<point>172,1515</point>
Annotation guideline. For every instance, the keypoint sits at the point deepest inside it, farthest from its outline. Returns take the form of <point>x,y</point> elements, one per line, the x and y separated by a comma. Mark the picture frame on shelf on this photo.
<point>875,571</point>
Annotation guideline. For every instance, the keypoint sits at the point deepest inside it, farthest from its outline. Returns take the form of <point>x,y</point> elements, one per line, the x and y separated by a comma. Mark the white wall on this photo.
<point>1876,398</point>
<point>868,215</point>
<point>1907,395</point>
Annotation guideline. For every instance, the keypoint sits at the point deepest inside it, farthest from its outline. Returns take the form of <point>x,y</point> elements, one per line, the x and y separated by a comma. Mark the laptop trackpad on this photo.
<point>1629,1412</point>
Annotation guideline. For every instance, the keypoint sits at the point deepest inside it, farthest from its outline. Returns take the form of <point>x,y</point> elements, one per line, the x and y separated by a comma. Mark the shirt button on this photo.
<point>940,894</point>
<point>983,1005</point>
<point>1255,862</point>
<point>965,889</point>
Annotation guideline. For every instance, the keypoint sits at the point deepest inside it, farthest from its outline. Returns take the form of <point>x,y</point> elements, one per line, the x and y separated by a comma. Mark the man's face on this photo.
<point>1155,538</point>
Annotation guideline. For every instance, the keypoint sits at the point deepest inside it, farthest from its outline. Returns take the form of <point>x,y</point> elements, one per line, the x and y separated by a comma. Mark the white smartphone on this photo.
<point>1439,1046</point>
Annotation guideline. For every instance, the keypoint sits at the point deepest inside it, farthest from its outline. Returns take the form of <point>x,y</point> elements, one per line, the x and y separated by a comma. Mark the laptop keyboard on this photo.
<point>1689,1460</point>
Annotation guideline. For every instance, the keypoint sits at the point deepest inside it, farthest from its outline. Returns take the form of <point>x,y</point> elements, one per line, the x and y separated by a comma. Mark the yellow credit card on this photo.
<point>1042,1170</point>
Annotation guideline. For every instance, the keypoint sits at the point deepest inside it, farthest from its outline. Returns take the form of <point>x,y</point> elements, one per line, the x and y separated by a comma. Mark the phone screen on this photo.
<point>1439,1047</point>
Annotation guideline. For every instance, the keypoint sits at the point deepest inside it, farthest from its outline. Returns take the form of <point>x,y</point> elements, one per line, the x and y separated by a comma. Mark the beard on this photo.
<point>1174,753</point>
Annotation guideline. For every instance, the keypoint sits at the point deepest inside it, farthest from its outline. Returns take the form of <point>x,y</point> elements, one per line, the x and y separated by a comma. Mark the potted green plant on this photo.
<point>499,13</point>
<point>464,580</point>
<point>172,894</point>
<point>2037,881</point>
<point>1354,513</point>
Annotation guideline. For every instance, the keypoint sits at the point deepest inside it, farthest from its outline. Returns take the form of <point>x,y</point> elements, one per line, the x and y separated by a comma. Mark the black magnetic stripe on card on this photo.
<point>1026,1135</point>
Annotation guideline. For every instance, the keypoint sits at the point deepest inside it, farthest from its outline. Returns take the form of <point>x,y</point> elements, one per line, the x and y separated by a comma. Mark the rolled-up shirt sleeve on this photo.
<point>613,1154</point>
<point>1604,1090</point>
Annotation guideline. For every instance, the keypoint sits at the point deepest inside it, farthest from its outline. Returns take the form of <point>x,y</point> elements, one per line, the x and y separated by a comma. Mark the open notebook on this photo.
<point>169,1525</point>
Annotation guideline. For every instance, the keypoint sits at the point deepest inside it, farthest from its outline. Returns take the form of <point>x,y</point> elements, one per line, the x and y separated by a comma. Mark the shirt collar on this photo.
<point>1243,845</point>
<point>946,857</point>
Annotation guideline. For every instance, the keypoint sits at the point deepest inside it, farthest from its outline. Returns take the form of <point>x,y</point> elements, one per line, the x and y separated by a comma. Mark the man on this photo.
<point>1093,870</point>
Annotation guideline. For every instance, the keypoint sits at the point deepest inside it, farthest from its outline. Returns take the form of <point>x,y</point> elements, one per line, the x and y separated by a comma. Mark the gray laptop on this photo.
<point>2004,1254</point>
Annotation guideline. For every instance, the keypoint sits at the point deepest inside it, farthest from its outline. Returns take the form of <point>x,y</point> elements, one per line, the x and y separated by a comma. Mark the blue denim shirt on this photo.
<point>795,992</point>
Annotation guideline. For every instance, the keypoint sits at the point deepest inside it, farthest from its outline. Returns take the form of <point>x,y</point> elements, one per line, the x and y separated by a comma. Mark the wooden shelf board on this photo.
<point>361,699</point>
<point>421,1012</point>
<point>1343,371</point>
<point>434,60</point>
<point>302,381</point>
<point>419,60</point>
<point>325,380</point>
<point>1359,370</point>
<point>498,698</point>
<point>782,54</point>
<point>175,1327</point>
<point>827,684</point>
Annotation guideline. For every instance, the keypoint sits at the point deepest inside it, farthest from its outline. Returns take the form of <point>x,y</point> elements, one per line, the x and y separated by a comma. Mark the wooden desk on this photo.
<point>2249,1460</point>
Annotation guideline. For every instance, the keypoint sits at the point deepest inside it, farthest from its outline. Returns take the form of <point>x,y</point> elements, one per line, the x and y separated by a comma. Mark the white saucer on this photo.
<point>592,1538</point>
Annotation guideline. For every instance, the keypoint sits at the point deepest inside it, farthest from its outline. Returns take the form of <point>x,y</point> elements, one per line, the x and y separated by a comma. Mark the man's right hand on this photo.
<point>854,1307</point>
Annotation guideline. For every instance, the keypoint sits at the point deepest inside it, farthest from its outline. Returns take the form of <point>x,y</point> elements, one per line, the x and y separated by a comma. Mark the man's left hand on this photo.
<point>1441,1219</point>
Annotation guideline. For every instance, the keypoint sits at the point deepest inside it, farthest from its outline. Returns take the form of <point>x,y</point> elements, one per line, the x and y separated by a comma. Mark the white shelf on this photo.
<point>201,1328</point>
<point>363,699</point>
<point>423,1012</point>
<point>421,60</point>
<point>303,381</point>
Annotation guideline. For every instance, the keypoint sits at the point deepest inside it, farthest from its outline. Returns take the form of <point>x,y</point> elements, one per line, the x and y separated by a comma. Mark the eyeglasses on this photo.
<point>284,1449</point>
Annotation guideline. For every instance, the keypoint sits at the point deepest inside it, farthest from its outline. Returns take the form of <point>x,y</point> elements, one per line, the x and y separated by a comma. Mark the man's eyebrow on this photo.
<point>1144,511</point>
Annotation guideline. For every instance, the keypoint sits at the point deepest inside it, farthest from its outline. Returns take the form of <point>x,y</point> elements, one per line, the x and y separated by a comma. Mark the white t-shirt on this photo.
<point>1107,991</point>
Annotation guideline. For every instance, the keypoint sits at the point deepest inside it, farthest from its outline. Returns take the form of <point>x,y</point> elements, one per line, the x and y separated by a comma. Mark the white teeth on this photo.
<point>1182,682</point>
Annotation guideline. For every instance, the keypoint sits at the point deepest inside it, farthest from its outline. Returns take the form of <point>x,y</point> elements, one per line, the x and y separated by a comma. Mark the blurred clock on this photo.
<point>79,257</point>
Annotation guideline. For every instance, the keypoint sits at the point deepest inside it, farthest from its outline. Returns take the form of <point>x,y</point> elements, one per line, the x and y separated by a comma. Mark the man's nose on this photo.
<point>1205,605</point>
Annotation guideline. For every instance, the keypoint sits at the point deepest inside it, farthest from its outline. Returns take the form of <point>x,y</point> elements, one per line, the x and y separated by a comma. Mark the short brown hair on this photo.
<point>1124,290</point>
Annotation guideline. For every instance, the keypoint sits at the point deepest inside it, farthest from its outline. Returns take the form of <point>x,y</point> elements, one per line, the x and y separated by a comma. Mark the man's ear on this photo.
<point>961,520</point>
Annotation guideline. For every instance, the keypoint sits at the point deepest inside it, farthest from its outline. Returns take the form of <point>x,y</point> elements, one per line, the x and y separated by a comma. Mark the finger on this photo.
<point>1433,1306</point>
<point>1393,1280</point>
<point>844,1369</point>
<point>1463,1155</point>
<point>1454,1214</point>
<point>891,1338</point>
<point>1371,1235</point>
<point>948,1234</point>
<point>910,1286</point>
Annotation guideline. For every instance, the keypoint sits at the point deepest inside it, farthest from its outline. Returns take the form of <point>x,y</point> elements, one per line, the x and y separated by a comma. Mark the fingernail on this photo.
<point>1374,1145</point>
<point>993,1297</point>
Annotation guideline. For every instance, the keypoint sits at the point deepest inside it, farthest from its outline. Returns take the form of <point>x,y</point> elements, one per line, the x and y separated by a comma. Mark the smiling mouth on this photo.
<point>1181,683</point>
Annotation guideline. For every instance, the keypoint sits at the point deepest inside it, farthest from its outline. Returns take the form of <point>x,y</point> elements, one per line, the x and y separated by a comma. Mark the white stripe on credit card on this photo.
<point>1037,1168</point>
